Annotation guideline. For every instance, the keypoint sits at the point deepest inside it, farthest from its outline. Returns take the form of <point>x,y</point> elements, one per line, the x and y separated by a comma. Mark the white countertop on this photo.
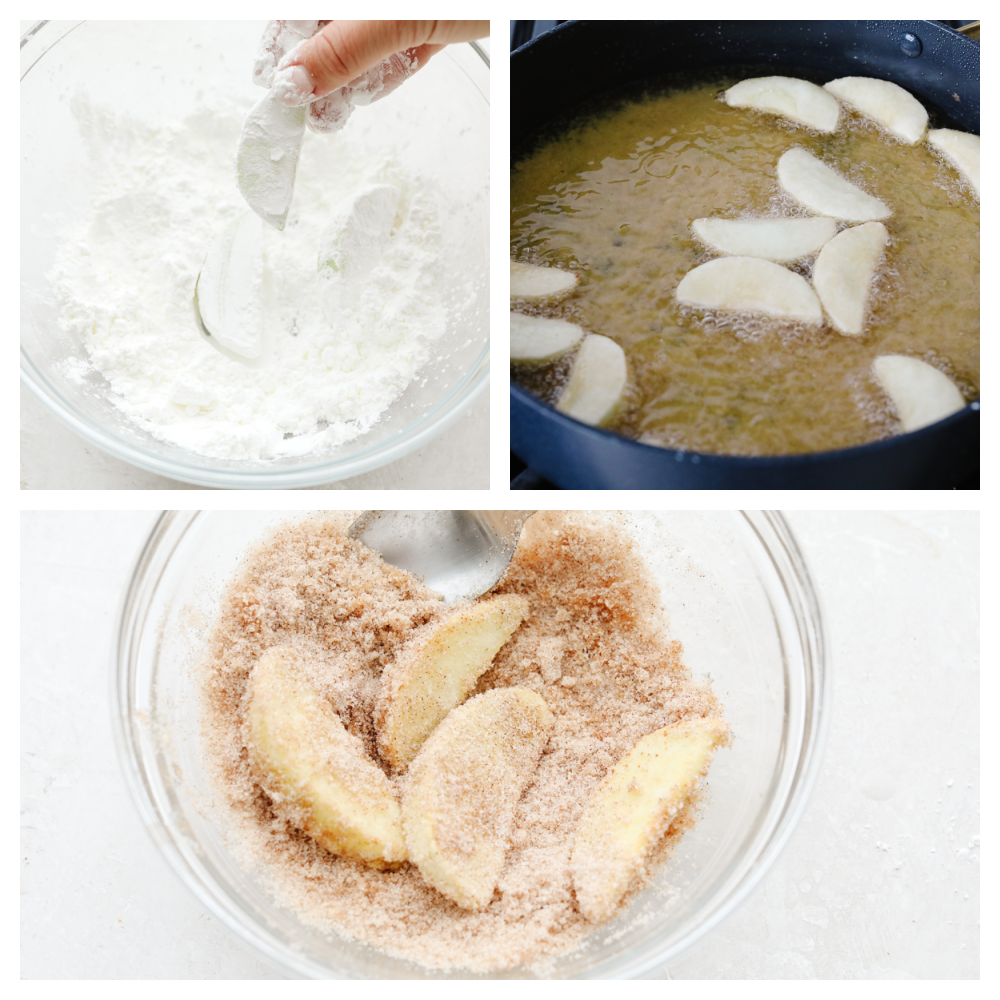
<point>879,880</point>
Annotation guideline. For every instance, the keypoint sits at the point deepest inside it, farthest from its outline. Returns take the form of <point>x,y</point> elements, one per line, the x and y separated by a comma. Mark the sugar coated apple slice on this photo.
<point>268,156</point>
<point>352,244</point>
<point>437,670</point>
<point>821,189</point>
<point>310,763</point>
<point>464,786</point>
<point>843,273</point>
<point>799,100</point>
<point>633,808</point>
<point>229,288</point>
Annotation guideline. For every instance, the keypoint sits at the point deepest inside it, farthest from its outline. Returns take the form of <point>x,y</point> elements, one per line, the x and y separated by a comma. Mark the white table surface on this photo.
<point>880,879</point>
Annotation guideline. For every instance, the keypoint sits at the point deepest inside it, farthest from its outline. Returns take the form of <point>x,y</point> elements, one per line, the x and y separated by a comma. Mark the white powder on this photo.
<point>125,283</point>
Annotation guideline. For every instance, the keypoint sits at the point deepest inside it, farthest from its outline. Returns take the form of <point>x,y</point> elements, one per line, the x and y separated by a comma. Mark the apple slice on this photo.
<point>821,189</point>
<point>961,148</point>
<point>537,338</point>
<point>633,808</point>
<point>463,788</point>
<point>540,284</point>
<point>596,381</point>
<point>887,103</point>
<point>228,293</point>
<point>352,244</point>
<point>843,273</point>
<point>920,393</point>
<point>771,239</point>
<point>749,284</point>
<point>785,95</point>
<point>307,759</point>
<point>267,157</point>
<point>437,670</point>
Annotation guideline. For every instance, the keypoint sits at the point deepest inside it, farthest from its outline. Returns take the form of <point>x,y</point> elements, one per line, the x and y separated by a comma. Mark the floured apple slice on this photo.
<point>540,284</point>
<point>596,381</point>
<point>749,284</point>
<point>228,293</point>
<point>843,274</point>
<point>268,156</point>
<point>821,189</point>
<point>437,670</point>
<point>771,239</point>
<point>633,808</point>
<point>352,244</point>
<point>309,761</point>
<point>537,338</point>
<point>920,393</point>
<point>961,148</point>
<point>463,788</point>
<point>785,95</point>
<point>887,103</point>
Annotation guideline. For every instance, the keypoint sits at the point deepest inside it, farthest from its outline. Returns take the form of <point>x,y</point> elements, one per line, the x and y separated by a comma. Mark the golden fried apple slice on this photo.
<point>749,284</point>
<point>822,190</point>
<point>437,670</point>
<point>920,393</point>
<point>308,761</point>
<point>843,273</point>
<point>887,103</point>
<point>799,100</point>
<point>633,808</point>
<point>540,284</point>
<point>538,338</point>
<point>463,788</point>
<point>770,239</point>
<point>596,381</point>
<point>961,148</point>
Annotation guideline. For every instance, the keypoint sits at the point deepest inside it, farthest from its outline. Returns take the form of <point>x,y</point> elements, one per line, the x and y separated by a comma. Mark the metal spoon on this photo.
<point>458,553</point>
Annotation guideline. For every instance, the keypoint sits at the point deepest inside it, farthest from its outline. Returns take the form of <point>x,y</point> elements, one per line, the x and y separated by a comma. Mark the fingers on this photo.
<point>342,51</point>
<point>279,38</point>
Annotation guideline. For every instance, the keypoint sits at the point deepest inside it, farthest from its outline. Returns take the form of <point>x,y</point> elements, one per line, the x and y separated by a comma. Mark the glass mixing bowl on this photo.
<point>739,598</point>
<point>179,59</point>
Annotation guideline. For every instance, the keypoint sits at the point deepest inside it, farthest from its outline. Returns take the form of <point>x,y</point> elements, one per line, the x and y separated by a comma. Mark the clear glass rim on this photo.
<point>325,469</point>
<point>802,748</point>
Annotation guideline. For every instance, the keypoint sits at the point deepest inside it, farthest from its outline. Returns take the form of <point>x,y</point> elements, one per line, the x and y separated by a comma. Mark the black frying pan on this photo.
<point>583,60</point>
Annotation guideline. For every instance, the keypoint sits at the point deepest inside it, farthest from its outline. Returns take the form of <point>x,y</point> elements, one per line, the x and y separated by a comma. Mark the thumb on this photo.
<point>343,50</point>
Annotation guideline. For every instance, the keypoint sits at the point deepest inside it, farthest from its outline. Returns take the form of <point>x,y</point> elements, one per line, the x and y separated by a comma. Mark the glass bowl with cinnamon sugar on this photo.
<point>636,621</point>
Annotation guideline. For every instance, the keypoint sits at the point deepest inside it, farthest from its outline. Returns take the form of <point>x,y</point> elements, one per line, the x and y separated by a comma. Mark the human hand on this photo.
<point>336,66</point>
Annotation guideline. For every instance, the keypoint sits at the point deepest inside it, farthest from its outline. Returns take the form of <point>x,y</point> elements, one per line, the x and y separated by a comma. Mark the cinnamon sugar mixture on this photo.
<point>593,646</point>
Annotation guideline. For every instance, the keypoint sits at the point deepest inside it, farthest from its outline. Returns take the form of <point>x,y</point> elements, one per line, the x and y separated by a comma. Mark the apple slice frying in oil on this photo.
<point>822,190</point>
<point>748,284</point>
<point>540,284</point>
<point>538,338</point>
<point>799,100</point>
<point>596,381</point>
<point>961,148</point>
<point>843,273</point>
<point>770,239</point>
<point>887,103</point>
<point>920,393</point>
